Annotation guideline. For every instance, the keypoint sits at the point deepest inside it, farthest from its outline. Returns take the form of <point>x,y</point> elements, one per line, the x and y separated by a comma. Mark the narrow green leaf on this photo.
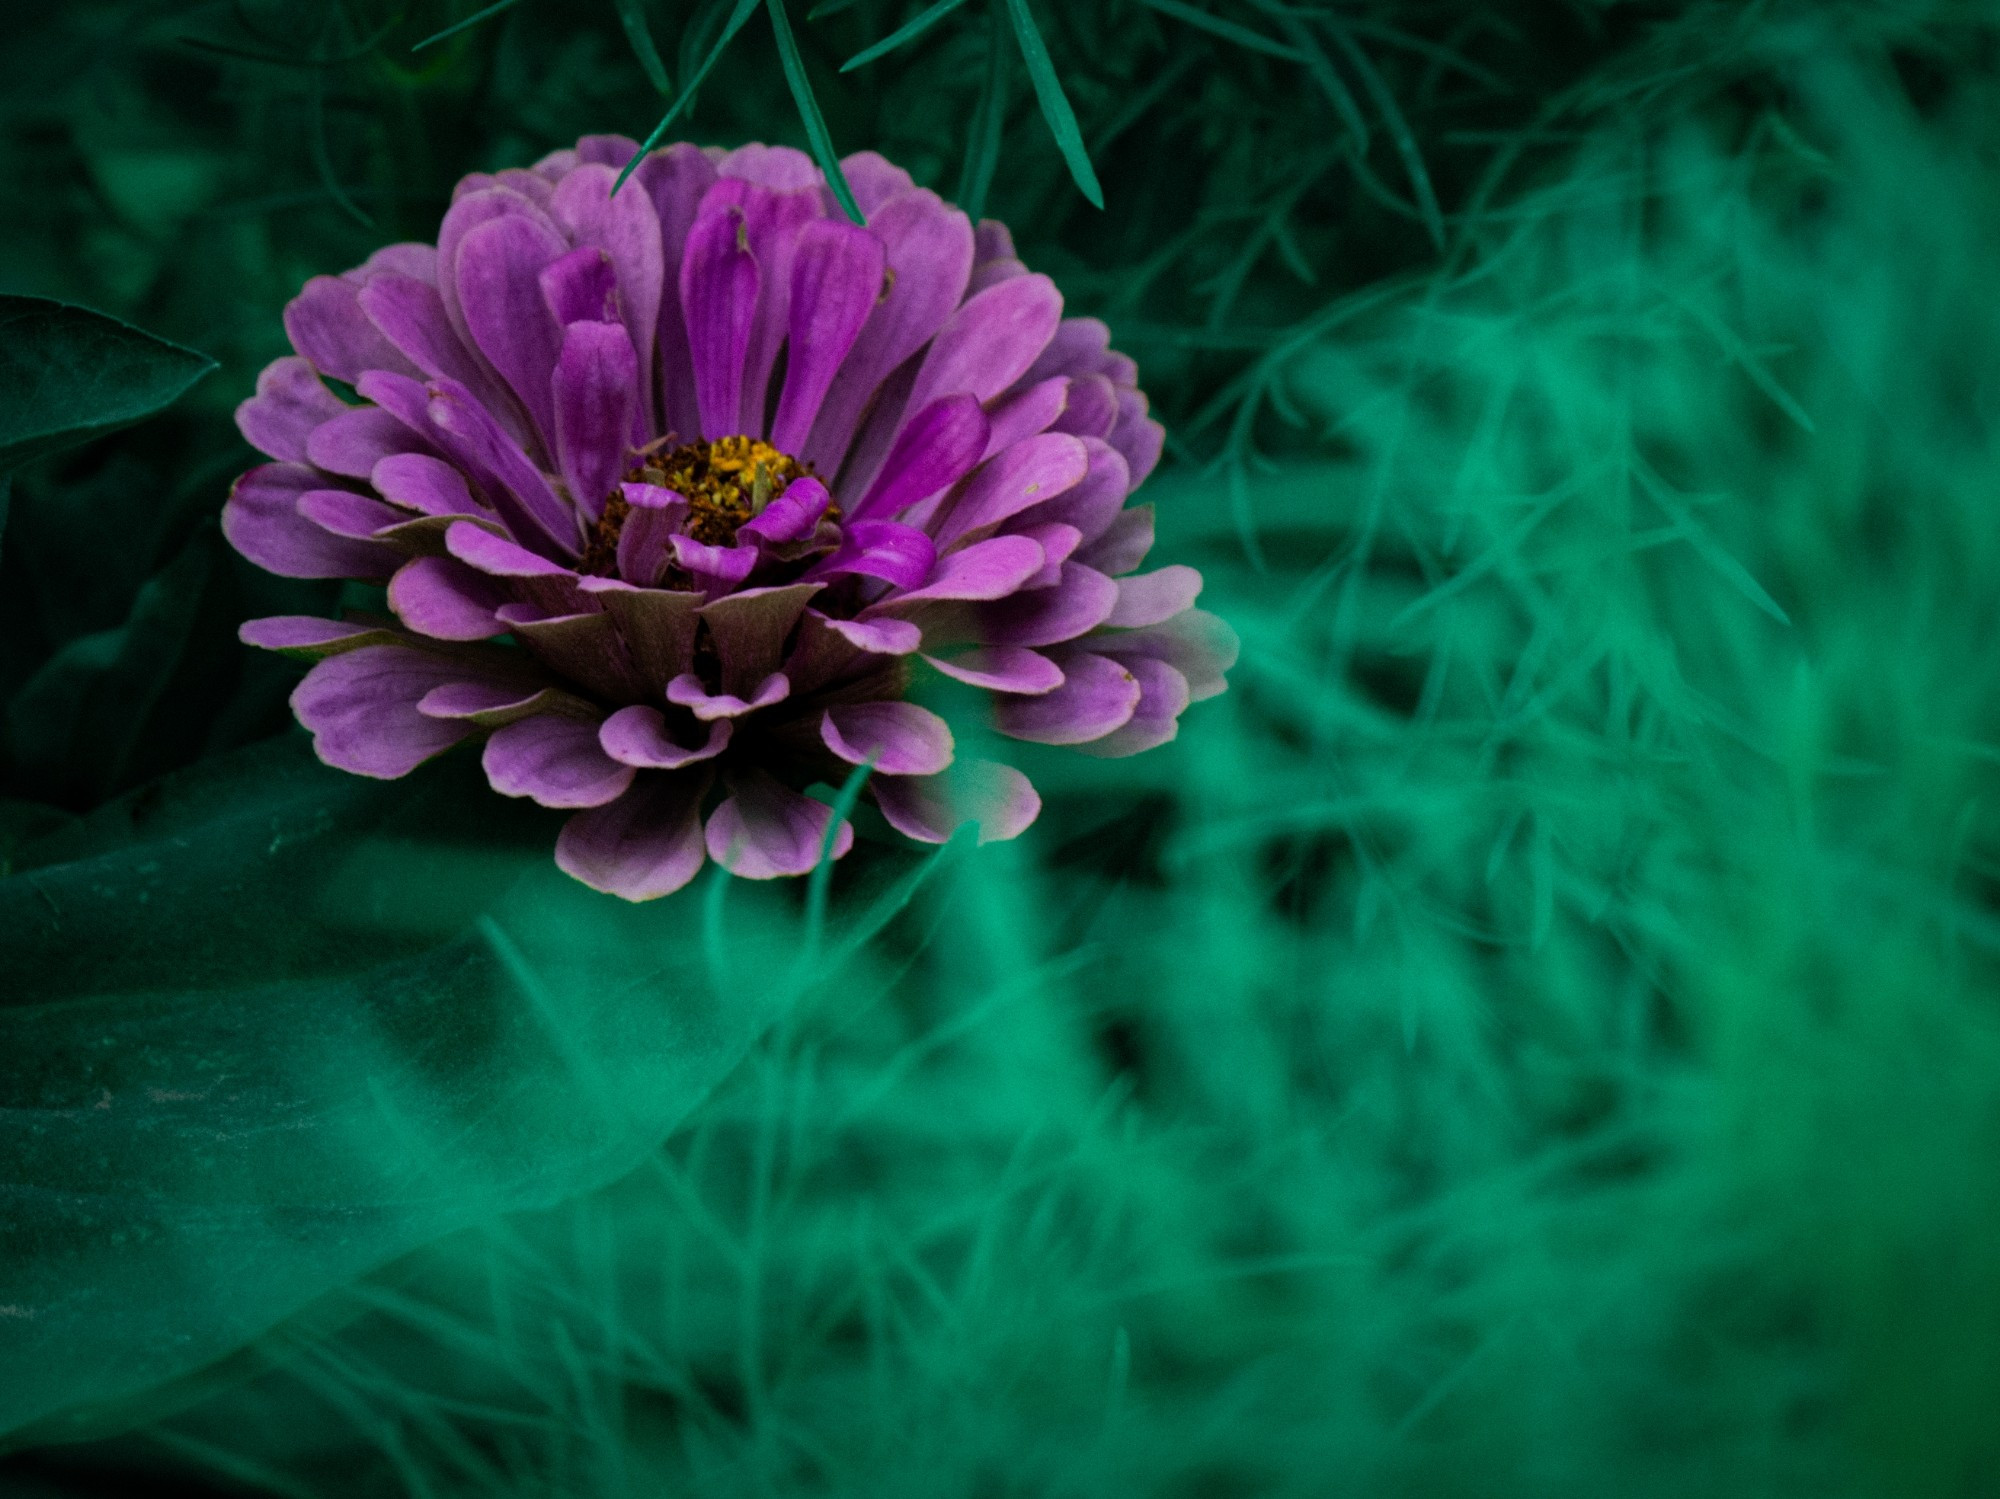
<point>1229,31</point>
<point>472,20</point>
<point>982,147</point>
<point>1320,66</point>
<point>633,18</point>
<point>1055,104</point>
<point>817,134</point>
<point>904,33</point>
<point>822,875</point>
<point>737,19</point>
<point>67,374</point>
<point>830,8</point>
<point>1399,130</point>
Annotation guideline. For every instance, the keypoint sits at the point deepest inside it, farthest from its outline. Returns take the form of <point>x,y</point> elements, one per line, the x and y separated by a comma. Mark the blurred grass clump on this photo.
<point>1535,1035</point>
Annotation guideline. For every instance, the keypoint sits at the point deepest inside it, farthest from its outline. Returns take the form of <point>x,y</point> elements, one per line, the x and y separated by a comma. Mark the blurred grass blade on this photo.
<point>633,18</point>
<point>822,875</point>
<point>989,115</point>
<point>907,32</point>
<point>737,19</point>
<point>1229,31</point>
<point>817,134</point>
<point>67,374</point>
<point>1399,131</point>
<point>1055,104</point>
<point>472,20</point>
<point>1320,66</point>
<point>830,8</point>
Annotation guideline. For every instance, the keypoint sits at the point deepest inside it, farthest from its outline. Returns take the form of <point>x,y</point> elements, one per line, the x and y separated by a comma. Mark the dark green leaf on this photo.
<point>982,146</point>
<point>1055,104</point>
<point>632,16</point>
<point>472,20</point>
<point>909,31</point>
<point>67,374</point>
<point>1229,31</point>
<point>817,134</point>
<point>267,1026</point>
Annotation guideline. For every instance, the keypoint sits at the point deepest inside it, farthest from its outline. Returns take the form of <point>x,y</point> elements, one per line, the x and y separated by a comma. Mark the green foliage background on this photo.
<point>1536,1035</point>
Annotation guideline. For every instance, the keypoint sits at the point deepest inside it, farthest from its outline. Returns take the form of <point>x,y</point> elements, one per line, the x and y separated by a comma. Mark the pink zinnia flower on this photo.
<point>725,467</point>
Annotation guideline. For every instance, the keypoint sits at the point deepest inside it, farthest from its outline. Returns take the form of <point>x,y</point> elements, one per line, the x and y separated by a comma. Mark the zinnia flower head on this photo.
<point>673,489</point>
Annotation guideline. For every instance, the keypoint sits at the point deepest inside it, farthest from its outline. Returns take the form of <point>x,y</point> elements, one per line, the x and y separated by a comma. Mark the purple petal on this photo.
<point>1057,542</point>
<point>719,281</point>
<point>1137,436</point>
<point>1094,502</point>
<point>1029,473</point>
<point>931,808</point>
<point>644,845</point>
<point>555,760</point>
<point>361,707</point>
<point>929,251</point>
<point>519,492</point>
<point>987,273</point>
<point>990,341</point>
<point>596,393</point>
<point>1003,668</point>
<point>714,568</point>
<point>326,324</point>
<point>656,627</point>
<point>936,448</point>
<point>1092,407</point>
<point>749,631</point>
<point>443,598</point>
<point>1081,602</point>
<point>423,483</point>
<point>412,316</point>
<point>687,691</point>
<point>346,513</point>
<point>784,167</point>
<point>493,705</point>
<point>986,570</point>
<point>766,830</point>
<point>613,151</point>
<point>836,282</point>
<point>901,738</point>
<point>792,516</point>
<point>406,259</point>
<point>497,556</point>
<point>644,541</point>
<point>675,180</point>
<point>1124,544</point>
<point>1097,696</point>
<point>1024,412</point>
<point>772,222</point>
<point>873,179</point>
<point>900,555</point>
<point>262,521</point>
<point>356,440</point>
<point>993,240</point>
<point>470,211</point>
<point>638,736</point>
<point>307,638</point>
<point>626,228</point>
<point>1163,697</point>
<point>1197,644</point>
<point>1149,598</point>
<point>1077,347</point>
<point>290,402</point>
<point>498,275</point>
<point>580,287</point>
<point>881,637</point>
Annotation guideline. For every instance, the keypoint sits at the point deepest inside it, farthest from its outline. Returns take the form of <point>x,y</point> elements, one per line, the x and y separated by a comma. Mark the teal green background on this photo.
<point>1536,1035</point>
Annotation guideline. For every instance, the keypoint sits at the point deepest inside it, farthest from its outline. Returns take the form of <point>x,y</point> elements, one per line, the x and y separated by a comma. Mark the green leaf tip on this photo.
<point>68,374</point>
<point>1055,103</point>
<point>738,18</point>
<point>817,134</point>
<point>457,26</point>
